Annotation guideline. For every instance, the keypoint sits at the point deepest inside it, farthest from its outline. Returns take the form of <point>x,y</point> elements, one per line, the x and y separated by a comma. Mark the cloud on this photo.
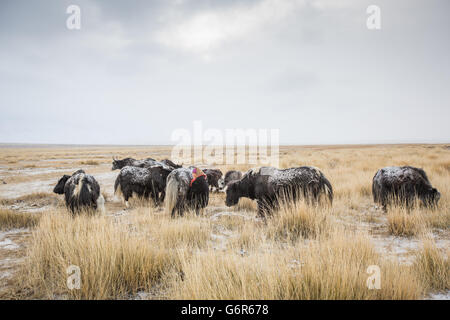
<point>136,70</point>
<point>209,29</point>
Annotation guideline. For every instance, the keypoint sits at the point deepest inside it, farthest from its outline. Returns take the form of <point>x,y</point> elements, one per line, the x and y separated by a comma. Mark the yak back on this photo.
<point>271,182</point>
<point>404,183</point>
<point>146,176</point>
<point>396,176</point>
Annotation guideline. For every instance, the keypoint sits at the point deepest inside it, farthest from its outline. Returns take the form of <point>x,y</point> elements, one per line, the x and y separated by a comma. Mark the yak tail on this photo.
<point>171,194</point>
<point>117,188</point>
<point>375,191</point>
<point>101,204</point>
<point>85,193</point>
<point>328,189</point>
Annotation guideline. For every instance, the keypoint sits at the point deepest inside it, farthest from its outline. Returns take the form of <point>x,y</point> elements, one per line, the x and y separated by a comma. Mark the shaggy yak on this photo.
<point>213,176</point>
<point>81,191</point>
<point>144,182</point>
<point>119,164</point>
<point>404,185</point>
<point>267,185</point>
<point>231,175</point>
<point>170,163</point>
<point>187,188</point>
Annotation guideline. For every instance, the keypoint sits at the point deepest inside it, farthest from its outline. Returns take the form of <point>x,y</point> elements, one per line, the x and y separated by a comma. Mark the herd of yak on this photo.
<point>182,188</point>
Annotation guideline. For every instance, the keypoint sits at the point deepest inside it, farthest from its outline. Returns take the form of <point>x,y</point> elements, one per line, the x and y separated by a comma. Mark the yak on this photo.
<point>213,176</point>
<point>187,188</point>
<point>148,162</point>
<point>170,163</point>
<point>403,185</point>
<point>269,185</point>
<point>144,182</point>
<point>81,191</point>
<point>231,175</point>
<point>119,164</point>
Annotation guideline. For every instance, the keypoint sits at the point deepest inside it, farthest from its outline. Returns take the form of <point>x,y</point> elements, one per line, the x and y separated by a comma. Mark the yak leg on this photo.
<point>263,208</point>
<point>384,204</point>
<point>126,200</point>
<point>156,197</point>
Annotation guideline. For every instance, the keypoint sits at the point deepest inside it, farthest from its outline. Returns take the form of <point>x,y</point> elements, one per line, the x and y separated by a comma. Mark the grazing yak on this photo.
<point>81,191</point>
<point>144,182</point>
<point>213,176</point>
<point>187,188</point>
<point>231,175</point>
<point>119,164</point>
<point>403,185</point>
<point>267,185</point>
<point>170,163</point>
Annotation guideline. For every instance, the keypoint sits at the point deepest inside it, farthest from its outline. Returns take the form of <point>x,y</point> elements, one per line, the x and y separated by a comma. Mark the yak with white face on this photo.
<point>230,176</point>
<point>267,185</point>
<point>81,191</point>
<point>403,185</point>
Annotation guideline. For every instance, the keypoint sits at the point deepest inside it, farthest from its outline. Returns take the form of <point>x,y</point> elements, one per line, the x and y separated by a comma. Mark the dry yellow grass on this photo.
<point>188,231</point>
<point>11,220</point>
<point>404,221</point>
<point>433,266</point>
<point>113,261</point>
<point>90,162</point>
<point>302,252</point>
<point>299,220</point>
<point>333,268</point>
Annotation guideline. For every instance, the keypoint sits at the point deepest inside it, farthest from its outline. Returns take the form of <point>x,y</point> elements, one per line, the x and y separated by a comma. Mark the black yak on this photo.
<point>403,185</point>
<point>187,188</point>
<point>231,175</point>
<point>144,182</point>
<point>213,176</point>
<point>148,162</point>
<point>81,191</point>
<point>119,164</point>
<point>268,185</point>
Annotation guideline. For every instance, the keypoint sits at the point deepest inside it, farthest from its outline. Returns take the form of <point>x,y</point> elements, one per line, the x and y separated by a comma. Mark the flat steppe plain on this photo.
<point>301,252</point>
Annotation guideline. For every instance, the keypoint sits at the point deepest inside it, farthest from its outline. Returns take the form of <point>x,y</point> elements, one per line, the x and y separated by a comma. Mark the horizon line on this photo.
<point>32,144</point>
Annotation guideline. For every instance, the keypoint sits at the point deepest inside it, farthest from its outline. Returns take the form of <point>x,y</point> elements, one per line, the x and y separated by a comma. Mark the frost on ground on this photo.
<point>439,296</point>
<point>12,251</point>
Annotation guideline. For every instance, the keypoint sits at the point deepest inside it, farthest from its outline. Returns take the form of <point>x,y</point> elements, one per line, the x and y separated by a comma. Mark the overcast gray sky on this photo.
<point>137,70</point>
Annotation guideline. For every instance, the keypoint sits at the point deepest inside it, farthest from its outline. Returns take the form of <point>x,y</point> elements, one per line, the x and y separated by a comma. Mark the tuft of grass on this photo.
<point>245,204</point>
<point>188,231</point>
<point>433,267</point>
<point>113,261</point>
<point>10,219</point>
<point>90,162</point>
<point>40,197</point>
<point>404,222</point>
<point>298,219</point>
<point>328,269</point>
